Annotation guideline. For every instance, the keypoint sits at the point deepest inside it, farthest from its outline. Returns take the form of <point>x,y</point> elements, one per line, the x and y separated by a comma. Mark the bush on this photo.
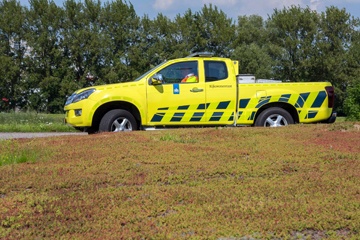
<point>352,102</point>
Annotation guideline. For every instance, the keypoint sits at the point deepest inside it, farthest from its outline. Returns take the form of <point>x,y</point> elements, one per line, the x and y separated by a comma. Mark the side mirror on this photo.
<point>157,79</point>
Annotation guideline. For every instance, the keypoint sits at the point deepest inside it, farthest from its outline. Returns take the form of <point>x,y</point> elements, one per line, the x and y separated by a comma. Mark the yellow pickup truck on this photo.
<point>198,90</point>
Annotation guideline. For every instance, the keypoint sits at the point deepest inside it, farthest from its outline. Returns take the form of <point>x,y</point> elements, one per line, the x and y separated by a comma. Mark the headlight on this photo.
<point>80,96</point>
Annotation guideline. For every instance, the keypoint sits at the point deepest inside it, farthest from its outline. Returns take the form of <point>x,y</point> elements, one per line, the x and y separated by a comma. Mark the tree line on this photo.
<point>48,51</point>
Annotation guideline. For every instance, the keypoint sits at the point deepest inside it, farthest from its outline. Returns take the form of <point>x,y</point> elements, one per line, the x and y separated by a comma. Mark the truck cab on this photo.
<point>209,98</point>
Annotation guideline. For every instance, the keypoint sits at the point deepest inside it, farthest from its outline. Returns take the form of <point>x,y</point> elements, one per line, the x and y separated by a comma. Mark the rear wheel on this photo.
<point>274,117</point>
<point>117,120</point>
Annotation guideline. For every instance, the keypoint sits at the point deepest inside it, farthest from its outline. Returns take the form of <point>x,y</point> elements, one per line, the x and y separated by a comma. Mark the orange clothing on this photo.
<point>190,78</point>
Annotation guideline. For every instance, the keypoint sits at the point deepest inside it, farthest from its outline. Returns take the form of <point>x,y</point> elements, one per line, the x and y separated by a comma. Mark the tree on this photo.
<point>12,52</point>
<point>185,34</point>
<point>251,47</point>
<point>250,30</point>
<point>352,102</point>
<point>333,62</point>
<point>120,29</point>
<point>352,97</point>
<point>43,61</point>
<point>254,59</point>
<point>82,42</point>
<point>214,31</point>
<point>208,30</point>
<point>293,32</point>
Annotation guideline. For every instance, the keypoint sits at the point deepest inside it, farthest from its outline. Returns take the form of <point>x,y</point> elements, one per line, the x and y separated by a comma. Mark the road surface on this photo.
<point>10,135</point>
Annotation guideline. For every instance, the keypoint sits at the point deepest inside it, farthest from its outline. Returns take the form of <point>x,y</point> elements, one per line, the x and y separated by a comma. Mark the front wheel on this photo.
<point>117,120</point>
<point>274,117</point>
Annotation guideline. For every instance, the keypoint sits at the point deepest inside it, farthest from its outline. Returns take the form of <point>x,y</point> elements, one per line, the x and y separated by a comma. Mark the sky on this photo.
<point>232,8</point>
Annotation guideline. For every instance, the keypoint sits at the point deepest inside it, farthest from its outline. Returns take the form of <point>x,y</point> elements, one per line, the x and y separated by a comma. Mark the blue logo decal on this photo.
<point>176,88</point>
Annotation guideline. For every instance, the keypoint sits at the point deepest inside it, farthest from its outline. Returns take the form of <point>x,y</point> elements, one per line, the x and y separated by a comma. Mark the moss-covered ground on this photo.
<point>296,182</point>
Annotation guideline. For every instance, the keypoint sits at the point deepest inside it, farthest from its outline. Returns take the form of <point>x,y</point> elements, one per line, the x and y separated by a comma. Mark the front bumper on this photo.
<point>74,119</point>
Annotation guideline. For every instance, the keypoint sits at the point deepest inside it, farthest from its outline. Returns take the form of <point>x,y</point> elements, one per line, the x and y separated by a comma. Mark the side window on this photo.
<point>180,72</point>
<point>215,70</point>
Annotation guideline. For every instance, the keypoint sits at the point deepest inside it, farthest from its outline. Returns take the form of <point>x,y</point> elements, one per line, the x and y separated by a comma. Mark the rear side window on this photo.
<point>215,71</point>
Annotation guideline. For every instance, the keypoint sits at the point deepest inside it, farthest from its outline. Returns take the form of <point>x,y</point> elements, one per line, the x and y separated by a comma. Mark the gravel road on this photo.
<point>10,135</point>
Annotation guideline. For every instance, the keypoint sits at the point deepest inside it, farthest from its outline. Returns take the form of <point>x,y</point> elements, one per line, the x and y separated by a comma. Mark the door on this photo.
<point>180,99</point>
<point>221,92</point>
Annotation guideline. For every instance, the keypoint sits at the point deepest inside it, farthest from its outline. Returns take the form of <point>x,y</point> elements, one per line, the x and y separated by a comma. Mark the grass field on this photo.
<point>296,182</point>
<point>33,122</point>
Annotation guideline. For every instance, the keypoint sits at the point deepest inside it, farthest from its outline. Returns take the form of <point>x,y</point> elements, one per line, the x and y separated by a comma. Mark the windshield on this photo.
<point>142,76</point>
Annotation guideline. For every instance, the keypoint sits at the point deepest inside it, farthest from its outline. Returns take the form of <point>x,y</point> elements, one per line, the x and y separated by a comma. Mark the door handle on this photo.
<point>196,89</point>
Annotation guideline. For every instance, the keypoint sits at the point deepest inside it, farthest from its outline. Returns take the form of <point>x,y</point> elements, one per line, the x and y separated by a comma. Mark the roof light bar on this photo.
<point>201,54</point>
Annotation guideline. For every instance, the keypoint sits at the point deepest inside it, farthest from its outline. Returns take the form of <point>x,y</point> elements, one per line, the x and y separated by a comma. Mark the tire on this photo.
<point>274,117</point>
<point>117,120</point>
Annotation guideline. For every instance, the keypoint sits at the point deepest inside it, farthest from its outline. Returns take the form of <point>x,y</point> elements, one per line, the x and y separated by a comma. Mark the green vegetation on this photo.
<point>12,154</point>
<point>33,122</point>
<point>297,182</point>
<point>352,102</point>
<point>44,57</point>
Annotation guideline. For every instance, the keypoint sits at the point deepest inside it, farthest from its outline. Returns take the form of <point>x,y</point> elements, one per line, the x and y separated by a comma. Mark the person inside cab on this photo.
<point>189,75</point>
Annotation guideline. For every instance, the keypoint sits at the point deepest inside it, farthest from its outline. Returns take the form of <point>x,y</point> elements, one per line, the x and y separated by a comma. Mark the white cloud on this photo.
<point>221,2</point>
<point>346,1</point>
<point>314,4</point>
<point>163,4</point>
<point>285,3</point>
<point>263,8</point>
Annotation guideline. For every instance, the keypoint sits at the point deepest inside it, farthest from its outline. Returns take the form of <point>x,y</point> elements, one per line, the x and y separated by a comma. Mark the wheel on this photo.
<point>274,117</point>
<point>117,120</point>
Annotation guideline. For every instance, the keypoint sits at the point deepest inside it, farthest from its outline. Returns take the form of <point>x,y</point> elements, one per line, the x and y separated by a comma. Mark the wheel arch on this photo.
<point>286,106</point>
<point>106,107</point>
